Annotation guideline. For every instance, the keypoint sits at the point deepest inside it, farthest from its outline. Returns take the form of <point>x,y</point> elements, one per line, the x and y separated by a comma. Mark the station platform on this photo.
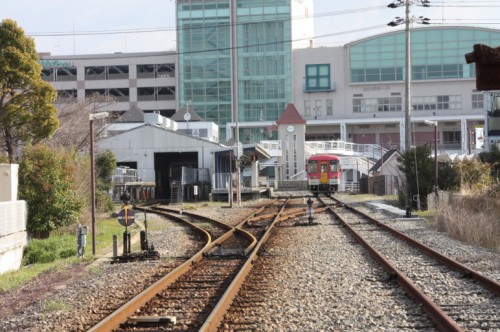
<point>390,210</point>
<point>221,195</point>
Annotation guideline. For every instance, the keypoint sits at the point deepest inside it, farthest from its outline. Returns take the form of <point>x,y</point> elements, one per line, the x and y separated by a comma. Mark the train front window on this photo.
<point>313,166</point>
<point>334,166</point>
<point>323,168</point>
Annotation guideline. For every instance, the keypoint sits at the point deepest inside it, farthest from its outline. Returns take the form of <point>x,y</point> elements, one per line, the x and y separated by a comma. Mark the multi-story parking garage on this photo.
<point>145,81</point>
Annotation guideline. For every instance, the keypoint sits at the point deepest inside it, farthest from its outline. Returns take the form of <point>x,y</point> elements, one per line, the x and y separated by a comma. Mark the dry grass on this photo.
<point>473,219</point>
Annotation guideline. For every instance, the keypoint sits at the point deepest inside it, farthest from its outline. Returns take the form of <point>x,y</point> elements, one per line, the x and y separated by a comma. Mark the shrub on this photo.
<point>48,186</point>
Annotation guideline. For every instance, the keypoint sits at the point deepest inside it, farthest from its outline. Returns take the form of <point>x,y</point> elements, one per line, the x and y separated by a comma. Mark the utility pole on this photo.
<point>408,106</point>
<point>407,20</point>
<point>234,95</point>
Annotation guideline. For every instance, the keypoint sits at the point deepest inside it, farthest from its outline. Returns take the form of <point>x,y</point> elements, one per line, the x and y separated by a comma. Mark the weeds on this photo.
<point>55,305</point>
<point>12,279</point>
<point>48,250</point>
<point>471,219</point>
<point>94,270</point>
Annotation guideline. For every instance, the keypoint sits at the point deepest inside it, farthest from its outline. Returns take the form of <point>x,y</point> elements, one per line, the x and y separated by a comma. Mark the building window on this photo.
<point>145,71</point>
<point>452,137</point>
<point>165,70</point>
<point>117,72</point>
<point>145,94</point>
<point>329,107</point>
<point>66,96</point>
<point>477,101</point>
<point>436,55</point>
<point>317,108</point>
<point>156,70</point>
<point>307,108</point>
<point>52,74</point>
<point>156,93</point>
<point>119,94</point>
<point>430,103</point>
<point>166,93</point>
<point>95,93</point>
<point>116,94</point>
<point>318,78</point>
<point>48,74</point>
<point>64,74</point>
<point>356,105</point>
<point>389,104</point>
<point>95,73</point>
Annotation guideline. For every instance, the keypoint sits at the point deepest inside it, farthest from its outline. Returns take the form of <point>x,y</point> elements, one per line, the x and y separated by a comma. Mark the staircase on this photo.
<point>360,164</point>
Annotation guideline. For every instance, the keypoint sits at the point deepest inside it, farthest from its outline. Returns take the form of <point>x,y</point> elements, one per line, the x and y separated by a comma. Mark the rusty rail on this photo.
<point>488,283</point>
<point>120,315</point>
<point>436,314</point>
<point>220,309</point>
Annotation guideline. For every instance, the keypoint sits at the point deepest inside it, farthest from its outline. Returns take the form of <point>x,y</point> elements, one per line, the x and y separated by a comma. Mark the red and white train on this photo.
<point>323,174</point>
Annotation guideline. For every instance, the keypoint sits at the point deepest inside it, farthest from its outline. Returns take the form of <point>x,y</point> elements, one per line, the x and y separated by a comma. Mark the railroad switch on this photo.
<point>310,211</point>
<point>126,217</point>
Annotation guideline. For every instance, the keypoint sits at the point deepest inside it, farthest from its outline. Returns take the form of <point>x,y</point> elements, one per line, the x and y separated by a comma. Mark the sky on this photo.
<point>107,26</point>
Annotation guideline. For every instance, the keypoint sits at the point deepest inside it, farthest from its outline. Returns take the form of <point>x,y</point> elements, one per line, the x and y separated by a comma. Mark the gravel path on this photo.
<point>318,290</point>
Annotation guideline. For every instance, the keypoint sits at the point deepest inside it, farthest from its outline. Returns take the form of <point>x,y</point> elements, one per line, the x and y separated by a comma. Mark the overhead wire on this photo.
<point>317,15</point>
<point>204,26</point>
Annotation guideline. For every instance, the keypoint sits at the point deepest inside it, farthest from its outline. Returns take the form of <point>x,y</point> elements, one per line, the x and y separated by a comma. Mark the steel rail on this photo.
<point>225,236</point>
<point>488,283</point>
<point>215,318</point>
<point>121,314</point>
<point>193,215</point>
<point>436,314</point>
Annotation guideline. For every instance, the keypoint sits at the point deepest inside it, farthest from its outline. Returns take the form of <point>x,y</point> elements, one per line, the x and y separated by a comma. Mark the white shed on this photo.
<point>159,153</point>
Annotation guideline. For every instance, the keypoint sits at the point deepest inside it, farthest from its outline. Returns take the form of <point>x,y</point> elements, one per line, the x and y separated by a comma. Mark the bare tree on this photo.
<point>73,118</point>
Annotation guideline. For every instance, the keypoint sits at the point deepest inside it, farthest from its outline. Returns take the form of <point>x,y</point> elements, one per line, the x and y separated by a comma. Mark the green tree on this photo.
<point>418,168</point>
<point>448,177</point>
<point>105,167</point>
<point>27,112</point>
<point>47,183</point>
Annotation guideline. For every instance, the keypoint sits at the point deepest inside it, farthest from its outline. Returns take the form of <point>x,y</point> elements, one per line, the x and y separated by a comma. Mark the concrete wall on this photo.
<point>287,185</point>
<point>13,235</point>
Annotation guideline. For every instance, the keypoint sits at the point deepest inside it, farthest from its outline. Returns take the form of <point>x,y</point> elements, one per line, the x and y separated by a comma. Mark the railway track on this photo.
<point>196,294</point>
<point>455,297</point>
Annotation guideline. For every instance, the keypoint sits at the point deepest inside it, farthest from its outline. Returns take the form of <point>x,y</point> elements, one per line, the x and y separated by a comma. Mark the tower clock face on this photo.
<point>290,128</point>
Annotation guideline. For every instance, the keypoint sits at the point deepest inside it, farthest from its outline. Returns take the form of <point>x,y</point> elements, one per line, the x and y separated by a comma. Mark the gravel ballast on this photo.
<point>318,289</point>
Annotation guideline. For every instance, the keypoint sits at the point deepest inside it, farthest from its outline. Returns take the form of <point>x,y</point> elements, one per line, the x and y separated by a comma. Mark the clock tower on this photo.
<point>291,133</point>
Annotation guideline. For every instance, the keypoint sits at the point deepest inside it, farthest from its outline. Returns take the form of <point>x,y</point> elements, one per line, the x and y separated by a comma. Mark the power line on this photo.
<point>199,26</point>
